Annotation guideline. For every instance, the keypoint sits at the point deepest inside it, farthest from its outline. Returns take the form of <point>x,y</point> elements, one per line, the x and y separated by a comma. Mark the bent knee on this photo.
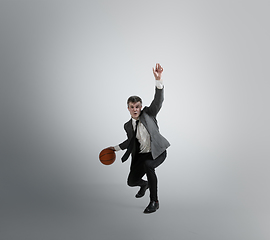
<point>130,183</point>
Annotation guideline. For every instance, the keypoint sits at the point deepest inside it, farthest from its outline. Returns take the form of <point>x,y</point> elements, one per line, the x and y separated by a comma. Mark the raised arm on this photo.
<point>156,104</point>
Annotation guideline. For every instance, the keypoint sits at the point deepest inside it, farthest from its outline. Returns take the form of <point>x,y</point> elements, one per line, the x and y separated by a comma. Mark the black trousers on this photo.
<point>142,164</point>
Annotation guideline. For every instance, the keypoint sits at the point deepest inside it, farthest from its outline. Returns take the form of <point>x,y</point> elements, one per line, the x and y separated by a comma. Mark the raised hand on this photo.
<point>158,71</point>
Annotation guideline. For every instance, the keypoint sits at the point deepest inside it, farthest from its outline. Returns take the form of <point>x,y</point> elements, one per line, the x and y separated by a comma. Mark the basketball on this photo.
<point>107,156</point>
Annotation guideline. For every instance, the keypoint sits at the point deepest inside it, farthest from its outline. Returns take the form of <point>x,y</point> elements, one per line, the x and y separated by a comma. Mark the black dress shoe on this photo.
<point>152,207</point>
<point>142,191</point>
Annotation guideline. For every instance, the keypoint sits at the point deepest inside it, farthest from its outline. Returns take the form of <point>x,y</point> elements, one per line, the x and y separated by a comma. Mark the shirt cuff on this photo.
<point>117,148</point>
<point>159,84</point>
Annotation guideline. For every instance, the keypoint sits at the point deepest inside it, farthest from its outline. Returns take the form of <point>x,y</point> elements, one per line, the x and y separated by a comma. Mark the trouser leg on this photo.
<point>149,166</point>
<point>136,173</point>
<point>145,164</point>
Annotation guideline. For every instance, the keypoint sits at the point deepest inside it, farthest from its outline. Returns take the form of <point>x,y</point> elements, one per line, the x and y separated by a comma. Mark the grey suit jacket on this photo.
<point>148,118</point>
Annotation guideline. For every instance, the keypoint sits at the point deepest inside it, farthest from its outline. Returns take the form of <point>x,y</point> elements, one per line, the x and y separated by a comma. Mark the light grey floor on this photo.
<point>108,212</point>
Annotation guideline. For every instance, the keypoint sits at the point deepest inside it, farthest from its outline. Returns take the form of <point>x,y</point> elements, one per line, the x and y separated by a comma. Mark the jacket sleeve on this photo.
<point>124,145</point>
<point>156,104</point>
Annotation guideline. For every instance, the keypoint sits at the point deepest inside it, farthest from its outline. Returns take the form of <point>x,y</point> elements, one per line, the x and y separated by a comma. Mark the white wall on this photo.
<point>67,68</point>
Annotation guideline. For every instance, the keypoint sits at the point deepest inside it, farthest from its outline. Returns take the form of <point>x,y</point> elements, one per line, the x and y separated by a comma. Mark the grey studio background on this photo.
<point>67,68</point>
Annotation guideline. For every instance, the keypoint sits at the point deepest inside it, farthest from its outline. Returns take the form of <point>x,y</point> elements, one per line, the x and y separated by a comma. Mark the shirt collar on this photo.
<point>134,120</point>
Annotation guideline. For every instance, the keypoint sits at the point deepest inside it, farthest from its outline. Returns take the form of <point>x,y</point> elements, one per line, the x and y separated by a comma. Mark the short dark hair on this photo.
<point>134,99</point>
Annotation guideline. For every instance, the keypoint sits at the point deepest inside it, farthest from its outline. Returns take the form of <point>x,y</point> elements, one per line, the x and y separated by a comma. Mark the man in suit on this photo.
<point>144,142</point>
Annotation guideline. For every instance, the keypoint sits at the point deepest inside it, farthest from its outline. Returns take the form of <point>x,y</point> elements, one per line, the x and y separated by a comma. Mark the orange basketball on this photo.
<point>107,156</point>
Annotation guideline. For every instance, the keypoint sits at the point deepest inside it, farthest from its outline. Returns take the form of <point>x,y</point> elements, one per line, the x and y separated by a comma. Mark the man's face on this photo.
<point>135,109</point>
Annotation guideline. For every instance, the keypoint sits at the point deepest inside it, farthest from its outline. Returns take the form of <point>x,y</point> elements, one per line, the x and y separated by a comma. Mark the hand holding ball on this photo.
<point>107,156</point>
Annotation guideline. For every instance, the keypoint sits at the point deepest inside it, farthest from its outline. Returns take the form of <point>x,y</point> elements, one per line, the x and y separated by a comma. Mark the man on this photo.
<point>144,142</point>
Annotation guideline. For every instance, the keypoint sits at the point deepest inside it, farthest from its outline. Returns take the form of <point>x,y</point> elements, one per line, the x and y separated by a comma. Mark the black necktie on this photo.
<point>131,144</point>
